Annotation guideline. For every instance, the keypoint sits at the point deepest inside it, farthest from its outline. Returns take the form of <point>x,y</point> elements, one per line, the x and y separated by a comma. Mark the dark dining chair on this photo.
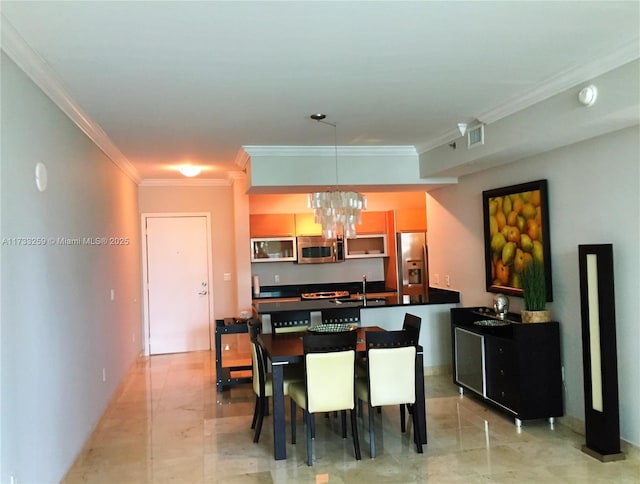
<point>290,321</point>
<point>329,384</point>
<point>341,315</point>
<point>391,361</point>
<point>262,382</point>
<point>412,323</point>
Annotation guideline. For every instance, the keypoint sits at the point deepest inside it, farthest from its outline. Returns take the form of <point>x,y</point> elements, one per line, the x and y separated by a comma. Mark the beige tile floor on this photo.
<point>169,424</point>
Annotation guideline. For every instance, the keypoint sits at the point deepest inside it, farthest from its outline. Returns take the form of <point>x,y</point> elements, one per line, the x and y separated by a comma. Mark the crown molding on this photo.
<point>628,52</point>
<point>236,175</point>
<point>185,182</point>
<point>343,151</point>
<point>242,158</point>
<point>41,73</point>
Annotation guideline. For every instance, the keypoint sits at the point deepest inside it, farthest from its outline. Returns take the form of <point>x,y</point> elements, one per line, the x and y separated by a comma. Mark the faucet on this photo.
<point>364,290</point>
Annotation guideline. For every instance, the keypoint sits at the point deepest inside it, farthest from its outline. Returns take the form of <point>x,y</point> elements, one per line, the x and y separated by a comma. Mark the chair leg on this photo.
<point>372,439</point>
<point>255,412</point>
<point>360,408</point>
<point>261,412</point>
<point>309,443</point>
<point>403,424</point>
<point>311,422</point>
<point>415,432</point>
<point>354,432</point>
<point>293,421</point>
<point>343,415</point>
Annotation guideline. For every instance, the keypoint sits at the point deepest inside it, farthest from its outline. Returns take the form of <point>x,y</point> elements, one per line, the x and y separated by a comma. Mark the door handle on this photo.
<point>203,293</point>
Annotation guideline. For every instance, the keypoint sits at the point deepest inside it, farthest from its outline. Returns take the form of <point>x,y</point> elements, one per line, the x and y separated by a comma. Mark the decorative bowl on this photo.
<point>332,328</point>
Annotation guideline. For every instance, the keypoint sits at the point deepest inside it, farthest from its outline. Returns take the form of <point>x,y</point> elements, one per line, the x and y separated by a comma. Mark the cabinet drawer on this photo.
<point>502,372</point>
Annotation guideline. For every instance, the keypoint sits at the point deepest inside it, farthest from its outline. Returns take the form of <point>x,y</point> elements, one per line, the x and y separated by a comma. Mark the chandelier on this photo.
<point>337,211</point>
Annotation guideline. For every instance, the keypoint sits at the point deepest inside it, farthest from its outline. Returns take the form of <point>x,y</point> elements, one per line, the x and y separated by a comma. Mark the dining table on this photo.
<point>284,349</point>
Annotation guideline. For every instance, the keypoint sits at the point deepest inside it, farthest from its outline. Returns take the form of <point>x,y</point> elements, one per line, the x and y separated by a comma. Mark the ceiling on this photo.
<point>172,82</point>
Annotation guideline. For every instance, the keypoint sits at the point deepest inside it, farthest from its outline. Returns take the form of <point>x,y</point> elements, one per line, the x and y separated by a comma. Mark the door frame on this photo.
<point>145,282</point>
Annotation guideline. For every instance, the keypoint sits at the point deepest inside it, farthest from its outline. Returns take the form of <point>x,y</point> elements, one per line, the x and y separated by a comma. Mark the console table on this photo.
<point>515,367</point>
<point>223,373</point>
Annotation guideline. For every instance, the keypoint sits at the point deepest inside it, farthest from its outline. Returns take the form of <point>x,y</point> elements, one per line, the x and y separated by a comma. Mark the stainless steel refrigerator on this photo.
<point>412,263</point>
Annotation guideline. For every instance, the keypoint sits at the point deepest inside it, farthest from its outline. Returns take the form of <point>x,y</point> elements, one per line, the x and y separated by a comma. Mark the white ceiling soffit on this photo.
<point>560,120</point>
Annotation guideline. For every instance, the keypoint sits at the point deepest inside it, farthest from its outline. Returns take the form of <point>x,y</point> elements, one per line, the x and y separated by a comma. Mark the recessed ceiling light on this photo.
<point>190,170</point>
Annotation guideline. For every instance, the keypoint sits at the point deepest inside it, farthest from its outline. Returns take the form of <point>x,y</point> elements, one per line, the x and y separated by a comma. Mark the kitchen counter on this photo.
<point>434,296</point>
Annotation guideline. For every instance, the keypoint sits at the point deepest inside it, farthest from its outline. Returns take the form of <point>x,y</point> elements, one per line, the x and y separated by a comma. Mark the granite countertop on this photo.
<point>434,296</point>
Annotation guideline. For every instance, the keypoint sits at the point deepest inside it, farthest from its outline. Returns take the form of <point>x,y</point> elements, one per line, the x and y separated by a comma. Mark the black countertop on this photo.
<point>270,292</point>
<point>434,296</point>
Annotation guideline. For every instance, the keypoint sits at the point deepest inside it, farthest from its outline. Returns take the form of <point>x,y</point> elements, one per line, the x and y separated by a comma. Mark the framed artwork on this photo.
<point>516,231</point>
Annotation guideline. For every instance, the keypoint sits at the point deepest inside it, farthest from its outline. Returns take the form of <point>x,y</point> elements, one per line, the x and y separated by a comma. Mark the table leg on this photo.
<point>279,429</point>
<point>219,386</point>
<point>420,406</point>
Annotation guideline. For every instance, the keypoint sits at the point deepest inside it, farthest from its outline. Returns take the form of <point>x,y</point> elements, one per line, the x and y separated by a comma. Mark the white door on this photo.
<point>177,284</point>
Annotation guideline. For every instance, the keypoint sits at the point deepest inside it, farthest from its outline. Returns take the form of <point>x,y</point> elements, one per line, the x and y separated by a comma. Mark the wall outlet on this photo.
<point>227,276</point>
<point>104,375</point>
<point>133,337</point>
<point>447,281</point>
<point>113,295</point>
<point>276,278</point>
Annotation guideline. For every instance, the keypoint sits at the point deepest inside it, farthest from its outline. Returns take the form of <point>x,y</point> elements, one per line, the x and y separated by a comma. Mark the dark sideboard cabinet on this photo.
<point>515,367</point>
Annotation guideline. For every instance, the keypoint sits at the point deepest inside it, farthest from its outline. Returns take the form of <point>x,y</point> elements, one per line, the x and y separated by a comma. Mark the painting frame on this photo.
<point>515,231</point>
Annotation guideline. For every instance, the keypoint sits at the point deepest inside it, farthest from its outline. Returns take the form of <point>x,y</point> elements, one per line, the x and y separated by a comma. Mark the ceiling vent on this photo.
<point>475,136</point>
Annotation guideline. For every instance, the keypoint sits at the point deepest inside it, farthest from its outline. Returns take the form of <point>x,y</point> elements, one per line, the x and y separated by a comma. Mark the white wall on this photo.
<point>594,197</point>
<point>59,325</point>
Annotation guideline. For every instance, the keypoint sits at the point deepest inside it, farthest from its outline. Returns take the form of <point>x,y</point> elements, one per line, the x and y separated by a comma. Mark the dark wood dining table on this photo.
<point>286,349</point>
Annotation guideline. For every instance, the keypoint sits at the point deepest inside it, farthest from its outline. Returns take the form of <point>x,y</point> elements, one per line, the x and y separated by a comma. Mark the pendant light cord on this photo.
<point>335,143</point>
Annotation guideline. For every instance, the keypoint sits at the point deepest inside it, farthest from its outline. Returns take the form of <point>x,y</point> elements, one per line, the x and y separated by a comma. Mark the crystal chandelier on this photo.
<point>337,211</point>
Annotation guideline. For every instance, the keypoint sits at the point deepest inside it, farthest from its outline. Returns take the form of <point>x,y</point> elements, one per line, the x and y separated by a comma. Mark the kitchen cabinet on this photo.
<point>411,220</point>
<point>272,225</point>
<point>515,367</point>
<point>306,224</point>
<point>273,249</point>
<point>366,246</point>
<point>372,223</point>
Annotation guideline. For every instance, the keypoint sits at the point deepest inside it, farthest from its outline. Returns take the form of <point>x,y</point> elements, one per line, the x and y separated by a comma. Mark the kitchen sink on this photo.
<point>359,300</point>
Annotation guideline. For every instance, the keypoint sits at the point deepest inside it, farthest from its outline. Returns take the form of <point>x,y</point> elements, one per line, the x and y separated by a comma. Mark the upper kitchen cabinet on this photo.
<point>362,246</point>
<point>411,220</point>
<point>273,249</point>
<point>372,223</point>
<point>306,224</point>
<point>272,225</point>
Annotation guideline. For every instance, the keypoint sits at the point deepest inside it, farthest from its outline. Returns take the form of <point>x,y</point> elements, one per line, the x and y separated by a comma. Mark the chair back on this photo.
<point>258,359</point>
<point>329,375</point>
<point>255,328</point>
<point>412,323</point>
<point>391,358</point>
<point>340,315</point>
<point>290,321</point>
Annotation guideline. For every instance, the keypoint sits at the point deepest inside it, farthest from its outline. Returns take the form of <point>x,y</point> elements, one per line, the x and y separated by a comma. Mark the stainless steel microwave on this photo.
<point>318,250</point>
